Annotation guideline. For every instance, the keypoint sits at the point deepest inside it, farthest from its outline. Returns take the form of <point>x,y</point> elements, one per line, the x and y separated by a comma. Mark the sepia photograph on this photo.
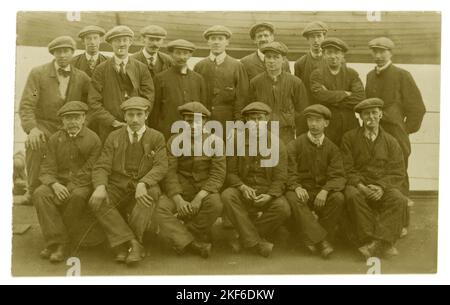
<point>193,143</point>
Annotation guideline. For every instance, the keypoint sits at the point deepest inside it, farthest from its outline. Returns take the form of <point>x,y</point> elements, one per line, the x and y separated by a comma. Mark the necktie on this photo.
<point>63,72</point>
<point>122,68</point>
<point>151,62</point>
<point>92,63</point>
<point>135,138</point>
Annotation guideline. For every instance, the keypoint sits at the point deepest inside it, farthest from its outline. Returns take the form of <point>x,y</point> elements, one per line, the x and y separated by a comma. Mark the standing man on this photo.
<point>261,34</point>
<point>254,200</point>
<point>315,33</point>
<point>193,186</point>
<point>338,87</point>
<point>316,182</point>
<point>225,77</point>
<point>47,89</point>
<point>284,93</point>
<point>91,36</point>
<point>404,108</point>
<point>125,178</point>
<point>375,169</point>
<point>116,80</point>
<point>153,38</point>
<point>176,86</point>
<point>65,174</point>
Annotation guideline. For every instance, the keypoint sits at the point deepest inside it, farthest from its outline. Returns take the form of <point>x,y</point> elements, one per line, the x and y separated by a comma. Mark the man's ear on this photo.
<point>327,123</point>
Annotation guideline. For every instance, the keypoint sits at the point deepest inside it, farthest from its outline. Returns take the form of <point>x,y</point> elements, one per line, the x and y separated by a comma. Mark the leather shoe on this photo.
<point>326,249</point>
<point>121,253</point>
<point>136,254</point>
<point>371,249</point>
<point>202,249</point>
<point>45,254</point>
<point>59,255</point>
<point>264,248</point>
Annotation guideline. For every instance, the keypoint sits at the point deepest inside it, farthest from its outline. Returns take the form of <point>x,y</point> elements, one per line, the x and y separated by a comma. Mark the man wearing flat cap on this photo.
<point>65,173</point>
<point>316,182</point>
<point>225,77</point>
<point>91,36</point>
<point>282,91</point>
<point>193,186</point>
<point>116,80</point>
<point>49,87</point>
<point>262,34</point>
<point>153,38</point>
<point>176,86</point>
<point>337,87</point>
<point>404,108</point>
<point>254,200</point>
<point>374,164</point>
<point>315,33</point>
<point>126,180</point>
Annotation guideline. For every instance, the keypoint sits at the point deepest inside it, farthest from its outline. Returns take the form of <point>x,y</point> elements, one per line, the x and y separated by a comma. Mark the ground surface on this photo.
<point>418,254</point>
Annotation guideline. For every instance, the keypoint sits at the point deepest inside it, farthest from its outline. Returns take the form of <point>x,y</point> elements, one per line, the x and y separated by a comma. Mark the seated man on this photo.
<point>126,177</point>
<point>375,169</point>
<point>316,181</point>
<point>193,186</point>
<point>254,200</point>
<point>65,174</point>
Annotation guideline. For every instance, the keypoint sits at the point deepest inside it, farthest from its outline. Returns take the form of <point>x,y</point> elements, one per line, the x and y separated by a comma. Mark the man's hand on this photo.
<point>302,194</point>
<point>262,199</point>
<point>248,192</point>
<point>184,208</point>
<point>196,204</point>
<point>142,196</point>
<point>348,93</point>
<point>377,192</point>
<point>321,199</point>
<point>98,197</point>
<point>60,191</point>
<point>35,139</point>
<point>117,124</point>
<point>365,190</point>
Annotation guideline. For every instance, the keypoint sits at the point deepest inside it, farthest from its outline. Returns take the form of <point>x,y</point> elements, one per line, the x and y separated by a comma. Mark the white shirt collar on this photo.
<point>219,58</point>
<point>318,141</point>
<point>88,57</point>
<point>184,70</point>
<point>140,132</point>
<point>67,68</point>
<point>117,60</point>
<point>260,55</point>
<point>148,55</point>
<point>379,69</point>
<point>371,135</point>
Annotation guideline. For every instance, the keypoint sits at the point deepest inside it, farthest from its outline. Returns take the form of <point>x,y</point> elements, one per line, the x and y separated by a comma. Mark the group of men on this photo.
<point>100,139</point>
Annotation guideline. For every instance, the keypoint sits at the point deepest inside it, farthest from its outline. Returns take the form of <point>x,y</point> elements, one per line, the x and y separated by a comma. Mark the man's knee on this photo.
<point>337,199</point>
<point>281,207</point>
<point>214,202</point>
<point>229,195</point>
<point>81,193</point>
<point>394,197</point>
<point>43,191</point>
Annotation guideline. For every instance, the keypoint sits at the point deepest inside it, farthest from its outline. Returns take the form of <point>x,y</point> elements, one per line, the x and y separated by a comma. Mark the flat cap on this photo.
<point>91,29</point>
<point>217,30</point>
<point>154,31</point>
<point>317,109</point>
<point>277,47</point>
<point>315,27</point>
<point>369,103</point>
<point>73,107</point>
<point>381,43</point>
<point>61,42</point>
<point>136,102</point>
<point>194,107</point>
<point>256,27</point>
<point>118,31</point>
<point>181,44</point>
<point>256,107</point>
<point>333,42</point>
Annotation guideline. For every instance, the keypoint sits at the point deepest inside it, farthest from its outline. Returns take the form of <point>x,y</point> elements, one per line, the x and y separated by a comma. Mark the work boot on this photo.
<point>371,249</point>
<point>200,248</point>
<point>136,254</point>
<point>45,254</point>
<point>121,253</point>
<point>326,249</point>
<point>264,248</point>
<point>59,255</point>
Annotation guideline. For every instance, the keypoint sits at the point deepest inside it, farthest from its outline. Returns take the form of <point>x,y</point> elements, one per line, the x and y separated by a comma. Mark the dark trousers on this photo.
<point>381,220</point>
<point>33,160</point>
<point>121,217</point>
<point>59,220</point>
<point>180,234</point>
<point>287,134</point>
<point>243,215</point>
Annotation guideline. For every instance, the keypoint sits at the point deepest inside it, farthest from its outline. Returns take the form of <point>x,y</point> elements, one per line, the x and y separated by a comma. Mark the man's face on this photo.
<point>120,46</point>
<point>315,39</point>
<point>196,122</point>
<point>334,57</point>
<point>73,122</point>
<point>381,56</point>
<point>273,61</point>
<point>218,43</point>
<point>317,124</point>
<point>371,117</point>
<point>180,57</point>
<point>152,44</point>
<point>136,118</point>
<point>255,119</point>
<point>63,56</point>
<point>92,43</point>
<point>263,37</point>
